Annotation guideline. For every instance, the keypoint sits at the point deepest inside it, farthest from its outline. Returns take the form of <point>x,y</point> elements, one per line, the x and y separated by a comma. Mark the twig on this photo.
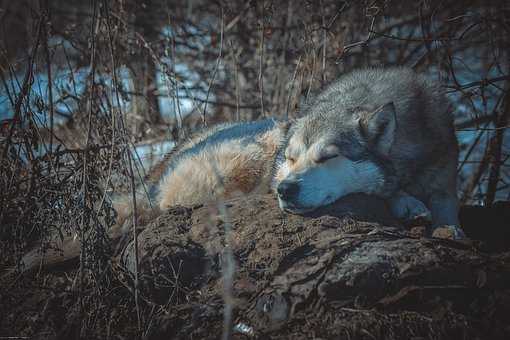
<point>324,44</point>
<point>496,149</point>
<point>84,221</point>
<point>228,272</point>
<point>45,26</point>
<point>177,105</point>
<point>292,88</point>
<point>261,63</point>
<point>482,82</point>
<point>215,71</point>
<point>236,76</point>
<point>128,154</point>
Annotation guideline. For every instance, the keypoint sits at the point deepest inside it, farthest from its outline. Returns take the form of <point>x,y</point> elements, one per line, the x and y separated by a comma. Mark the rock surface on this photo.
<point>348,271</point>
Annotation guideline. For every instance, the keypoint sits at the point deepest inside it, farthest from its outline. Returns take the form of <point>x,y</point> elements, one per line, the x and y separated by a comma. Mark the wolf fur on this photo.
<point>232,159</point>
<point>386,132</point>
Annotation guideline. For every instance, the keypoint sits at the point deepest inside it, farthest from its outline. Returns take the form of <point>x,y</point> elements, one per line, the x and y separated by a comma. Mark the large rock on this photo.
<point>349,270</point>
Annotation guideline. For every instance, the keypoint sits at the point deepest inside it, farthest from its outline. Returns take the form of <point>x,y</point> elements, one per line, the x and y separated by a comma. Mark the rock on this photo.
<point>348,269</point>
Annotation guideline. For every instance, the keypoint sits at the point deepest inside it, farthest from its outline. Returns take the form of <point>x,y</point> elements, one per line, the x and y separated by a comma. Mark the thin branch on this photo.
<point>45,26</point>
<point>496,149</point>
<point>134,214</point>
<point>261,63</point>
<point>215,71</point>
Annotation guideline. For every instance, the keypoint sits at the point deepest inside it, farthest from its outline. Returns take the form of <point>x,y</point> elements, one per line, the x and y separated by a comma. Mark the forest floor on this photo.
<point>349,271</point>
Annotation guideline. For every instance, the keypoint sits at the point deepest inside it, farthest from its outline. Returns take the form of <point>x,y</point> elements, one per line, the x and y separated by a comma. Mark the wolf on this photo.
<point>380,131</point>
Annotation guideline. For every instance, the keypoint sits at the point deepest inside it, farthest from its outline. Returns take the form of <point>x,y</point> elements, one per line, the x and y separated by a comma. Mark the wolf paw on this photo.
<point>408,208</point>
<point>451,232</point>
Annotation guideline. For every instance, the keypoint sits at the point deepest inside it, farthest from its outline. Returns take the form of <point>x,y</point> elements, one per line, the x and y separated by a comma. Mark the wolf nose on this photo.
<point>287,189</point>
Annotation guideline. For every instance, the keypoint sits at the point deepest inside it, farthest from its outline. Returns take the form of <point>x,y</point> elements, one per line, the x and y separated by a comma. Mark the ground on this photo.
<point>349,271</point>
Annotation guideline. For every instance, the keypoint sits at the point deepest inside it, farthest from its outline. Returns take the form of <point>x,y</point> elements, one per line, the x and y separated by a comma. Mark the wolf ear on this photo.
<point>378,128</point>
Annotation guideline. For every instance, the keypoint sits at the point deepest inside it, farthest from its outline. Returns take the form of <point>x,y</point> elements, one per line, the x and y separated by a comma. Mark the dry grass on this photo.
<point>59,168</point>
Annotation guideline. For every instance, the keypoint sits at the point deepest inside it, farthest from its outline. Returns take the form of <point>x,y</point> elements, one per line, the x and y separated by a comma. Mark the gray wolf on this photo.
<point>386,132</point>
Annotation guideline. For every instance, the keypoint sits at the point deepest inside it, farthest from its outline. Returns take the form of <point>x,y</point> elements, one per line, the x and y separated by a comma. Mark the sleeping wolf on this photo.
<point>386,132</point>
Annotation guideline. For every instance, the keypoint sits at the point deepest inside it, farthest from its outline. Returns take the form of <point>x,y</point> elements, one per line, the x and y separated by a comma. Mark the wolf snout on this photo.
<point>287,189</point>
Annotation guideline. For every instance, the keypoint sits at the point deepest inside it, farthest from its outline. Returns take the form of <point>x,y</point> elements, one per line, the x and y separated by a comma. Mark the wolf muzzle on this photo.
<point>288,190</point>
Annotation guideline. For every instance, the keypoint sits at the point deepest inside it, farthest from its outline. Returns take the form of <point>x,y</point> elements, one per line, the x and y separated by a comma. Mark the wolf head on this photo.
<point>332,152</point>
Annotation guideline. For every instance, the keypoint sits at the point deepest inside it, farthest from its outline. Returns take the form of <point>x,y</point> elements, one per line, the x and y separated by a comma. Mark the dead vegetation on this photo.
<point>340,273</point>
<point>82,83</point>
